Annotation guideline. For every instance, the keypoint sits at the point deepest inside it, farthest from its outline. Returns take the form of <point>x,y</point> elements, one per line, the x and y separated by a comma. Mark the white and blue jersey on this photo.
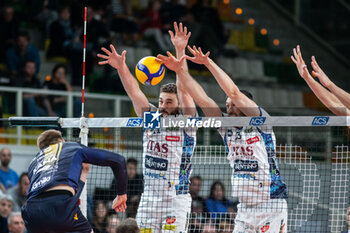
<point>167,155</point>
<point>252,156</point>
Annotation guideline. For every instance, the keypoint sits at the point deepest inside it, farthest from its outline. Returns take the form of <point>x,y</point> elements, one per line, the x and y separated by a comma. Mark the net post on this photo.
<point>84,130</point>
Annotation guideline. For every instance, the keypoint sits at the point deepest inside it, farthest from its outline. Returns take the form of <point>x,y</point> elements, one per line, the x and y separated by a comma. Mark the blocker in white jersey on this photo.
<point>256,179</point>
<point>166,203</point>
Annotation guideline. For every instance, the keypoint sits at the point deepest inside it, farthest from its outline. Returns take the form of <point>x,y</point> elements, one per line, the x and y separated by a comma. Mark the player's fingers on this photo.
<point>103,62</point>
<point>195,49</point>
<point>185,30</point>
<point>299,53</point>
<point>102,56</point>
<point>106,51</point>
<point>314,60</point>
<point>180,27</point>
<point>169,54</point>
<point>200,50</point>
<point>171,34</point>
<point>293,59</point>
<point>295,54</point>
<point>188,35</point>
<point>191,50</point>
<point>162,58</point>
<point>207,54</point>
<point>314,74</point>
<point>314,66</point>
<point>113,49</point>
<point>176,27</point>
<point>182,58</point>
<point>123,54</point>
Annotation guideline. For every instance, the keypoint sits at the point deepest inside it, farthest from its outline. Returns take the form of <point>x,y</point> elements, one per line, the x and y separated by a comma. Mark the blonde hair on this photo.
<point>49,137</point>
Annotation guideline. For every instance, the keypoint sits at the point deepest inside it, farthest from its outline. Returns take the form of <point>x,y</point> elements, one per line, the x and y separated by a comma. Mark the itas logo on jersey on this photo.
<point>256,121</point>
<point>242,150</point>
<point>134,122</point>
<point>156,163</point>
<point>151,120</point>
<point>320,121</point>
<point>157,147</point>
<point>246,166</point>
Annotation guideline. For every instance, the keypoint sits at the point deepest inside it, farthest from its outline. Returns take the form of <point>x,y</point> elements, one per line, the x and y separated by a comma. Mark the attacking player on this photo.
<point>334,98</point>
<point>256,179</point>
<point>165,204</point>
<point>57,176</point>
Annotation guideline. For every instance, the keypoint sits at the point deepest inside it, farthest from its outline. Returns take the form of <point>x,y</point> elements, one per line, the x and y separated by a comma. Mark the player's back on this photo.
<point>58,164</point>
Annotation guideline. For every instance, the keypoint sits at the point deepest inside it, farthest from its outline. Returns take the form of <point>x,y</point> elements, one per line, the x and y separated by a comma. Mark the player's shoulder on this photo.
<point>72,145</point>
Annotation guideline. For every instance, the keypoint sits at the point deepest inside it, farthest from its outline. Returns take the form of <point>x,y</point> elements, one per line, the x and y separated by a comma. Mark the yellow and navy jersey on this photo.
<point>61,164</point>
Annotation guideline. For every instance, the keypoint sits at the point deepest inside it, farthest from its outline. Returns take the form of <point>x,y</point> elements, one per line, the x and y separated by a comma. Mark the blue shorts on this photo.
<point>55,213</point>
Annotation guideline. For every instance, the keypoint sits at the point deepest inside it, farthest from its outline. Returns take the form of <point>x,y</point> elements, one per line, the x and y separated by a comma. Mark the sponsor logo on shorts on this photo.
<point>134,122</point>
<point>172,138</point>
<point>245,176</point>
<point>76,216</point>
<point>146,230</point>
<point>169,227</point>
<point>256,121</point>
<point>170,219</point>
<point>155,175</point>
<point>265,228</point>
<point>253,140</point>
<point>156,163</point>
<point>246,165</point>
<point>320,121</point>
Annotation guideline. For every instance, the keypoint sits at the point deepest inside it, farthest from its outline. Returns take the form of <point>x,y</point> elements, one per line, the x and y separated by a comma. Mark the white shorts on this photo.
<point>270,217</point>
<point>159,214</point>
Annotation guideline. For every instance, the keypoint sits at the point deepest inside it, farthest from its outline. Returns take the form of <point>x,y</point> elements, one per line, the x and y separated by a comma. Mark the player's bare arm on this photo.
<point>84,172</point>
<point>117,61</point>
<point>246,105</point>
<point>342,95</point>
<point>180,40</point>
<point>208,105</point>
<point>325,96</point>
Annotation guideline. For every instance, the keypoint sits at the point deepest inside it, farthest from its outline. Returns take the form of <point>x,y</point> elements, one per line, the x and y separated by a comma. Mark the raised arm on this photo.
<point>208,106</point>
<point>180,40</point>
<point>325,96</point>
<point>131,86</point>
<point>241,101</point>
<point>342,95</point>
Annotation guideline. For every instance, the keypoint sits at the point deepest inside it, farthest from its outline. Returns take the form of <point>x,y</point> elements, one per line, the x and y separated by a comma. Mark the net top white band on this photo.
<point>283,121</point>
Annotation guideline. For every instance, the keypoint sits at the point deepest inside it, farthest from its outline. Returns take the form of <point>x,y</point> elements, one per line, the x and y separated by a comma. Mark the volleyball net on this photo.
<point>313,162</point>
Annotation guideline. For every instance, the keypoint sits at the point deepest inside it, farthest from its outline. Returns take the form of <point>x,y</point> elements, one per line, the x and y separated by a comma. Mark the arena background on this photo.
<point>251,40</point>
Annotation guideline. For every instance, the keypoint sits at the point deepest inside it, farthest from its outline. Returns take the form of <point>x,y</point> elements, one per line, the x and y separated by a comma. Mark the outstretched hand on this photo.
<point>318,72</point>
<point>299,62</point>
<point>180,39</point>
<point>170,61</point>
<point>119,203</point>
<point>112,57</point>
<point>198,56</point>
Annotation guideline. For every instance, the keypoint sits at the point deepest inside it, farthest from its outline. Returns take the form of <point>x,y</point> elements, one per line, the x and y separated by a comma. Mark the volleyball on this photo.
<point>149,71</point>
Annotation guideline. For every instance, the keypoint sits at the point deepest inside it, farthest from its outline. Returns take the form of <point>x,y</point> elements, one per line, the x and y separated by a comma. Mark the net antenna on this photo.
<point>84,129</point>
